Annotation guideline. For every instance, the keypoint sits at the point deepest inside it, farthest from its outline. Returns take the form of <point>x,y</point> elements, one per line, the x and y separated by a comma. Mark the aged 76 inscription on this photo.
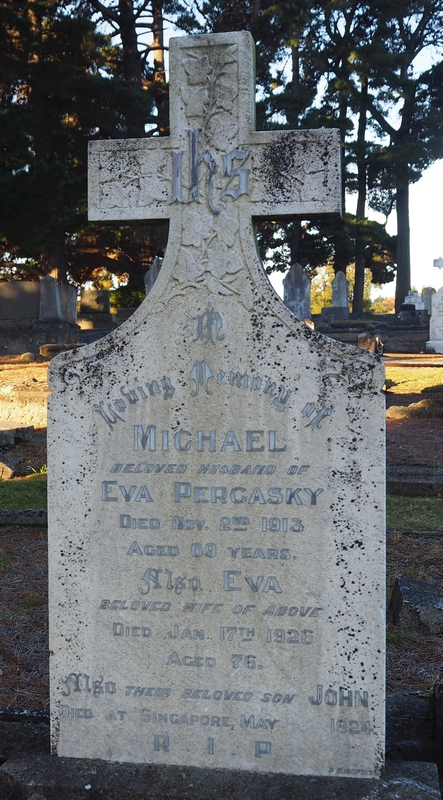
<point>216,511</point>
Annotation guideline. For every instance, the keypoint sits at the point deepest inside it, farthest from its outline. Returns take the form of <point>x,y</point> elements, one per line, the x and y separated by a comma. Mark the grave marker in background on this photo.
<point>340,294</point>
<point>297,292</point>
<point>426,294</point>
<point>216,482</point>
<point>435,344</point>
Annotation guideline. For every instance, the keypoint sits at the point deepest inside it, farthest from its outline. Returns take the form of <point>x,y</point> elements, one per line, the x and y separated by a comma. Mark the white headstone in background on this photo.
<point>426,294</point>
<point>216,506</point>
<point>435,343</point>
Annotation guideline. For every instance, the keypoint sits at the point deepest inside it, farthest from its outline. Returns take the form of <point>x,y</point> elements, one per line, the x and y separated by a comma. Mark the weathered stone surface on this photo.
<point>216,477</point>
<point>45,778</point>
<point>417,605</point>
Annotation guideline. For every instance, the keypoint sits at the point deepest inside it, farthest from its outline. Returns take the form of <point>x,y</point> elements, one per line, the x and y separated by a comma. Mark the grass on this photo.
<point>413,380</point>
<point>414,513</point>
<point>24,493</point>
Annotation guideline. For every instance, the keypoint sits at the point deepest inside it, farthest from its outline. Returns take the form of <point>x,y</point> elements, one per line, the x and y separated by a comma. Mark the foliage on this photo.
<point>61,86</point>
<point>129,296</point>
<point>383,305</point>
<point>321,288</point>
<point>96,69</point>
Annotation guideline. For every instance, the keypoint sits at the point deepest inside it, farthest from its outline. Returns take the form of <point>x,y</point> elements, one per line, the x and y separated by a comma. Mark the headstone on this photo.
<point>152,274</point>
<point>50,308</point>
<point>216,484</point>
<point>435,343</point>
<point>94,301</point>
<point>426,294</point>
<point>340,307</point>
<point>19,300</point>
<point>297,292</point>
<point>340,289</point>
<point>68,302</point>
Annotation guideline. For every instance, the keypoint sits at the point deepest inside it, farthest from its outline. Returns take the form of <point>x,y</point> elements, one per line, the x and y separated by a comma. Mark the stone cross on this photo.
<point>215,482</point>
<point>214,173</point>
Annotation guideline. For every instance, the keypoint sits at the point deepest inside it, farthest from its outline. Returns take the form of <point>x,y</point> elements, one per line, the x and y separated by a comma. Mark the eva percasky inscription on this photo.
<point>216,471</point>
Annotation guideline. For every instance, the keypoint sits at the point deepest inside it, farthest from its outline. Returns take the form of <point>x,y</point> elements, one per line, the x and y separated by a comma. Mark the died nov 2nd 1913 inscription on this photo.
<point>217,471</point>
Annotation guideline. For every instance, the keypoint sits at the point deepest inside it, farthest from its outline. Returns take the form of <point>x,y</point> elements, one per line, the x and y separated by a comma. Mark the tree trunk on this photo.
<point>131,62</point>
<point>340,249</point>
<point>158,49</point>
<point>293,233</point>
<point>357,301</point>
<point>403,249</point>
<point>54,262</point>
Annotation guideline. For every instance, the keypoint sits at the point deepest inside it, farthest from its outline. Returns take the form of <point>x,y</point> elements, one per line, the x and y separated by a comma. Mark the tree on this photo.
<point>60,86</point>
<point>130,20</point>
<point>397,87</point>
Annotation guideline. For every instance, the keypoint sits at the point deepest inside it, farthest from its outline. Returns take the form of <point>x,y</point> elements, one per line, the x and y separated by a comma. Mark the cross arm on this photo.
<point>295,173</point>
<point>129,179</point>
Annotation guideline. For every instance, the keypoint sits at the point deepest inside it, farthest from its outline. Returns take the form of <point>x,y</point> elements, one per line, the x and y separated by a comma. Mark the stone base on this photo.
<point>14,341</point>
<point>331,313</point>
<point>414,481</point>
<point>435,346</point>
<point>28,777</point>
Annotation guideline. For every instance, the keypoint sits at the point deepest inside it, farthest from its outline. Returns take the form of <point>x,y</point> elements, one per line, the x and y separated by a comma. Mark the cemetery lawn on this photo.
<point>24,493</point>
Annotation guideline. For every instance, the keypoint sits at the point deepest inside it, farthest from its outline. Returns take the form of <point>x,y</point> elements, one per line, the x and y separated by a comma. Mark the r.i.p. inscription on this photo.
<point>216,471</point>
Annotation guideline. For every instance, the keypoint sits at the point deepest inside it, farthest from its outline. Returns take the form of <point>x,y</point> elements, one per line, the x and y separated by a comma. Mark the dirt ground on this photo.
<point>414,663</point>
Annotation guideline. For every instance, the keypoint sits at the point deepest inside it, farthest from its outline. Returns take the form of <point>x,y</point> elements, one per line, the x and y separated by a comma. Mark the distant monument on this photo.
<point>297,292</point>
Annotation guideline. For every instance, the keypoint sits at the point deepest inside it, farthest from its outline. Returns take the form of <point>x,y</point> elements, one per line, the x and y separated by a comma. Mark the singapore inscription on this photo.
<point>216,482</point>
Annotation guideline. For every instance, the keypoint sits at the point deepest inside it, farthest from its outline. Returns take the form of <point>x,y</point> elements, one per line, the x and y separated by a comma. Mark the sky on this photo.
<point>426,227</point>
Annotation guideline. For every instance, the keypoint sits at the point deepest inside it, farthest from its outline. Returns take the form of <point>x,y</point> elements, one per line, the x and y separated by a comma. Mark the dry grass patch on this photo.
<point>413,380</point>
